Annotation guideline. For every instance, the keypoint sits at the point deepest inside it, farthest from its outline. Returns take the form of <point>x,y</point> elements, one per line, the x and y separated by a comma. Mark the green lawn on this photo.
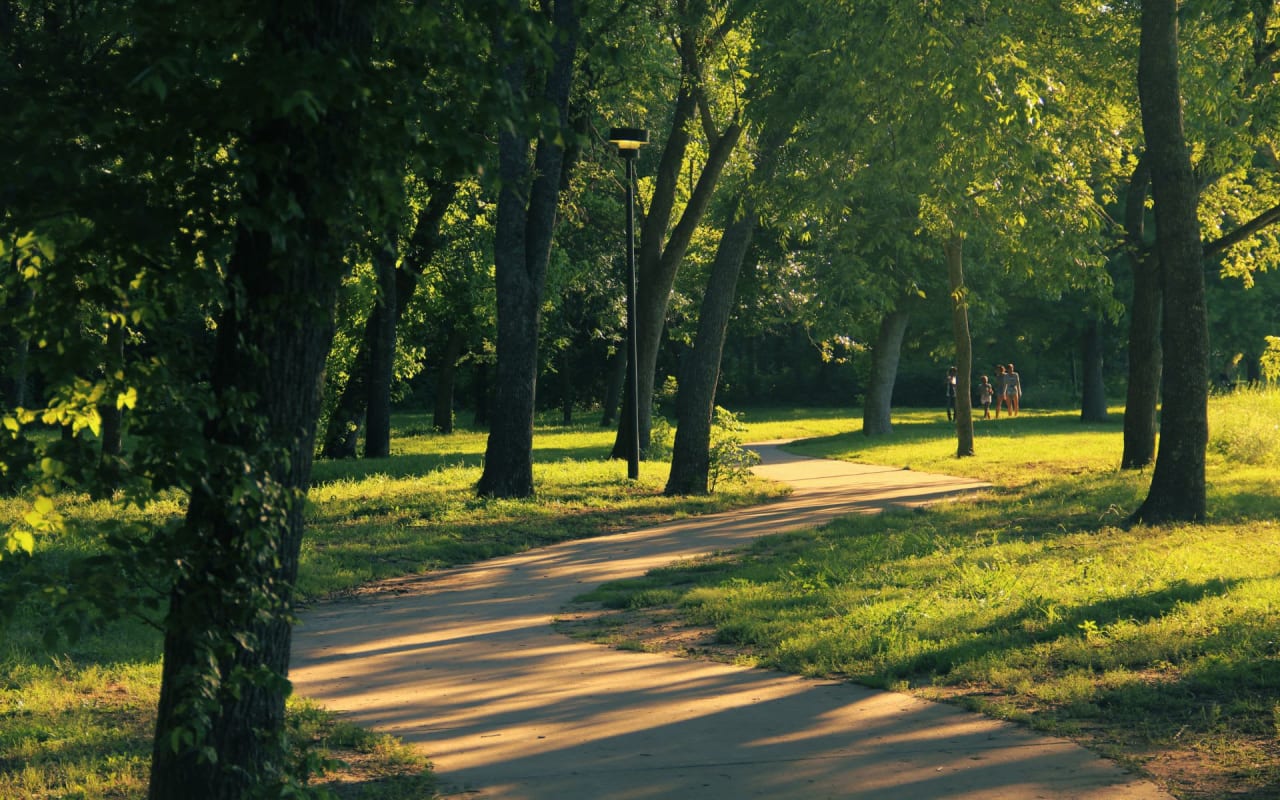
<point>1029,602</point>
<point>1033,602</point>
<point>75,720</point>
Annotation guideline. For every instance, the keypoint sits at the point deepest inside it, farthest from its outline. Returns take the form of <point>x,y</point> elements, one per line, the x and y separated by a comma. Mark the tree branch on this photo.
<point>1263,220</point>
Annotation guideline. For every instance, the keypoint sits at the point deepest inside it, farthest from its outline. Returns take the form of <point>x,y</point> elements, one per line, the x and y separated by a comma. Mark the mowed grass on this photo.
<point>1158,646</point>
<point>76,722</point>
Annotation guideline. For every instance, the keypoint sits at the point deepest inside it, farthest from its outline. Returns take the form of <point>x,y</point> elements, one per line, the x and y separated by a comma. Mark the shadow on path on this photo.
<point>464,664</point>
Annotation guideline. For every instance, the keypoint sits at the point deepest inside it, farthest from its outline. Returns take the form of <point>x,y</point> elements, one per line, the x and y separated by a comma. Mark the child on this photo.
<point>985,393</point>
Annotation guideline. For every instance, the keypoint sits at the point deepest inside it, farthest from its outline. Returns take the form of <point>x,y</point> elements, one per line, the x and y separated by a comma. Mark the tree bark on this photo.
<point>521,252</point>
<point>1177,490</point>
<point>877,406</point>
<point>220,720</point>
<point>1093,403</point>
<point>613,390</point>
<point>382,355</point>
<point>481,396</point>
<point>446,376</point>
<point>1142,393</point>
<point>112,431</point>
<point>953,251</point>
<point>700,367</point>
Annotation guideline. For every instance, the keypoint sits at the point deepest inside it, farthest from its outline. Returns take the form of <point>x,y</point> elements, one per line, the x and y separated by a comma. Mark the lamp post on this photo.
<point>628,141</point>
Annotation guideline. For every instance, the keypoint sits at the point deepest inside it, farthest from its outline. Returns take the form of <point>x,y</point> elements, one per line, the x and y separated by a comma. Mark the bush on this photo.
<point>730,461</point>
<point>1244,426</point>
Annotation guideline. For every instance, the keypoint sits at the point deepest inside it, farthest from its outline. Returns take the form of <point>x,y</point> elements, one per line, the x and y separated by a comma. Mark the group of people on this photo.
<point>1006,392</point>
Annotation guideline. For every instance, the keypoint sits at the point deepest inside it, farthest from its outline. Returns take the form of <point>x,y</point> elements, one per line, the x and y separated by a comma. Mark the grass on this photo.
<point>1032,602</point>
<point>75,722</point>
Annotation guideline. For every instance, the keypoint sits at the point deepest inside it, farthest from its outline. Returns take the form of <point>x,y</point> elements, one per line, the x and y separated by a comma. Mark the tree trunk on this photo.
<point>700,367</point>
<point>382,355</point>
<point>1093,404</point>
<point>660,255</point>
<point>1177,490</point>
<point>953,251</point>
<point>112,415</point>
<point>343,431</point>
<point>566,388</point>
<point>1142,394</point>
<point>481,396</point>
<point>220,724</point>
<point>521,252</point>
<point>13,374</point>
<point>877,407</point>
<point>613,391</point>
<point>446,376</point>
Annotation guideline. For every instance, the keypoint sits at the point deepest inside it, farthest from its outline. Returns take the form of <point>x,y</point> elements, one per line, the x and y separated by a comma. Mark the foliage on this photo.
<point>1271,360</point>
<point>1244,428</point>
<point>729,460</point>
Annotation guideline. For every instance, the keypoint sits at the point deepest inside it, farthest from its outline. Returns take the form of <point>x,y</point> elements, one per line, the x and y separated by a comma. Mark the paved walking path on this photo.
<point>464,664</point>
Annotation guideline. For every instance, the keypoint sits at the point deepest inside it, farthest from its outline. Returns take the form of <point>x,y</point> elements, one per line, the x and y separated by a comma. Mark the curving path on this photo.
<point>464,664</point>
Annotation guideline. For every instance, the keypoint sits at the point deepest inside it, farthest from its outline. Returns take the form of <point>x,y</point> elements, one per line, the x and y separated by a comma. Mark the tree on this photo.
<point>212,178</point>
<point>700,367</point>
<point>701,31</point>
<point>1178,482</point>
<point>527,200</point>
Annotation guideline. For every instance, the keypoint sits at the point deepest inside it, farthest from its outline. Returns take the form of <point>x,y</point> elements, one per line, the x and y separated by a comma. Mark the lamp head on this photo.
<point>628,140</point>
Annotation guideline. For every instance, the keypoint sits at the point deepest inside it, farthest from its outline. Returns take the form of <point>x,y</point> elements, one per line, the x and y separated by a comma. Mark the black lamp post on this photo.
<point>628,141</point>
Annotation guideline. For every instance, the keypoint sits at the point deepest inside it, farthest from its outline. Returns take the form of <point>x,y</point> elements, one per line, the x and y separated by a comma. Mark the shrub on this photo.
<point>1244,426</point>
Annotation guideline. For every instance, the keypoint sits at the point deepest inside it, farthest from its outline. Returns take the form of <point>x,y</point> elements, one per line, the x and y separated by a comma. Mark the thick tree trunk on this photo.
<point>382,355</point>
<point>1142,393</point>
<point>953,251</point>
<point>700,367</point>
<point>220,723</point>
<point>228,626</point>
<point>1093,403</point>
<point>1177,490</point>
<point>877,406</point>
<point>522,250</point>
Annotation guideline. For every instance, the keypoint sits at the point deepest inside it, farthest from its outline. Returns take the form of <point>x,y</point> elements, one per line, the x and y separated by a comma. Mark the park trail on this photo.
<point>464,664</point>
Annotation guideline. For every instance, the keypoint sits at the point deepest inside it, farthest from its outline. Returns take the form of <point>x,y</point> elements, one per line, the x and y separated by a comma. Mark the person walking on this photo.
<point>1015,382</point>
<point>985,393</point>
<point>951,393</point>
<point>1001,398</point>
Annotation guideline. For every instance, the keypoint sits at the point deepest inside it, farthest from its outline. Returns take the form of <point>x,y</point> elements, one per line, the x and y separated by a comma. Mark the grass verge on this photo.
<point>1154,646</point>
<point>76,722</point>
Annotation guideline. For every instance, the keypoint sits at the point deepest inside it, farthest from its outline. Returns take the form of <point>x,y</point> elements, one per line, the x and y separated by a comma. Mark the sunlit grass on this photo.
<point>77,721</point>
<point>1033,601</point>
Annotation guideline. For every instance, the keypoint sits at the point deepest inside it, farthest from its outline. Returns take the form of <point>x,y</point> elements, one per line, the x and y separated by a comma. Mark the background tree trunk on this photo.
<point>613,389</point>
<point>1142,393</point>
<point>382,355</point>
<point>446,377</point>
<point>1177,490</point>
<point>877,407</point>
<point>953,251</point>
<point>1093,403</point>
<point>343,431</point>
